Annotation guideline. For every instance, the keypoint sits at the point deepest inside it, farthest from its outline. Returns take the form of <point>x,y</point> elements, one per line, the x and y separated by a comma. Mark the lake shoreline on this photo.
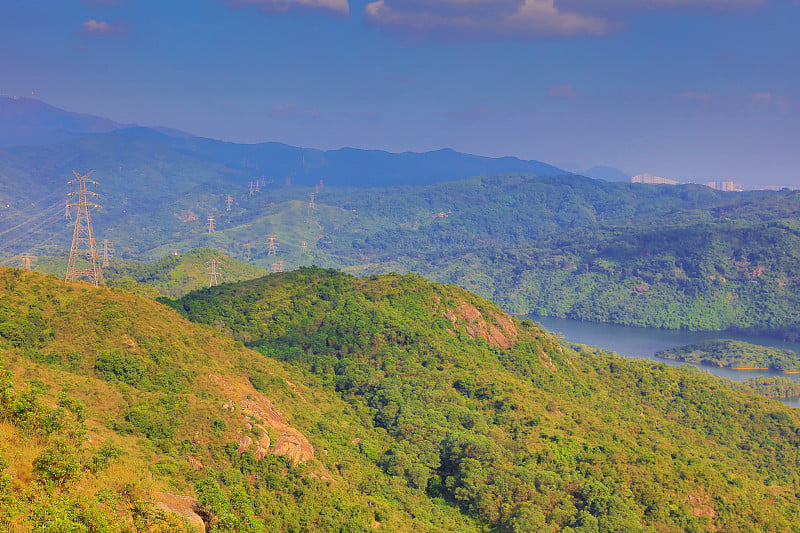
<point>642,343</point>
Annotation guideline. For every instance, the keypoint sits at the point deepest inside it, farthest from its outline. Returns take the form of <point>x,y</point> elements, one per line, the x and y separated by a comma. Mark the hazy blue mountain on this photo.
<point>601,172</point>
<point>31,121</point>
<point>353,167</point>
<point>26,121</point>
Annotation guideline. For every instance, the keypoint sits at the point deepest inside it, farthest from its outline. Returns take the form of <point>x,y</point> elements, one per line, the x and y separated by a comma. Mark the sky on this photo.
<point>694,90</point>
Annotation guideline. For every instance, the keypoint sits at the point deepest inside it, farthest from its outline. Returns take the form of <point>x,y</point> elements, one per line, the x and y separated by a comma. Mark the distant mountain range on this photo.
<point>37,132</point>
<point>31,121</point>
<point>606,173</point>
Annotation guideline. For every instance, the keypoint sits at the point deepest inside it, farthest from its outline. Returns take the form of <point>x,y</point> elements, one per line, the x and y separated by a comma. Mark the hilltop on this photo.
<point>114,408</point>
<point>495,417</point>
<point>30,121</point>
<point>340,403</point>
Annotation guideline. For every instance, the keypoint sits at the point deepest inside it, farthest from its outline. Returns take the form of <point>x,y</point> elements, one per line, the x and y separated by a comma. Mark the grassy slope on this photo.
<point>155,386</point>
<point>171,276</point>
<point>533,437</point>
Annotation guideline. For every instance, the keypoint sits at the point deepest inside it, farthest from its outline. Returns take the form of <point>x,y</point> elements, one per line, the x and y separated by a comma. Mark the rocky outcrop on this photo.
<point>183,506</point>
<point>244,443</point>
<point>291,447</point>
<point>500,333</point>
<point>257,408</point>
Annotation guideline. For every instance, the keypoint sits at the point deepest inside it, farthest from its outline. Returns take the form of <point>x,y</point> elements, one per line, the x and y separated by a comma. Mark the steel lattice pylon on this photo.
<point>213,281</point>
<point>83,243</point>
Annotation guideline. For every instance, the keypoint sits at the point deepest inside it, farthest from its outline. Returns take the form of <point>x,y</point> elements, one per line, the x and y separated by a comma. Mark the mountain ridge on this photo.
<point>29,121</point>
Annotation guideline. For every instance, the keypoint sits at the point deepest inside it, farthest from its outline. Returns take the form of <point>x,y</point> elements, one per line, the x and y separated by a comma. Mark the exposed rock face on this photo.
<point>262,446</point>
<point>183,506</point>
<point>501,335</point>
<point>291,447</point>
<point>244,443</point>
<point>701,504</point>
<point>260,452</point>
<point>254,406</point>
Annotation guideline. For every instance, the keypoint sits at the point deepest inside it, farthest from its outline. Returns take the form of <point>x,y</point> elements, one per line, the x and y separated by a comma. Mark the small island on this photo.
<point>737,355</point>
<point>774,387</point>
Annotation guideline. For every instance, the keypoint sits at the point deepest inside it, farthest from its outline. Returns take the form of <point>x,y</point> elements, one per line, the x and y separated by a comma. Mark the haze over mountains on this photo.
<point>36,126</point>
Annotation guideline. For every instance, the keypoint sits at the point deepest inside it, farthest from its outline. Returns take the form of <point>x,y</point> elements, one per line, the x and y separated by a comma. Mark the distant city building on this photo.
<point>722,185</point>
<point>649,178</point>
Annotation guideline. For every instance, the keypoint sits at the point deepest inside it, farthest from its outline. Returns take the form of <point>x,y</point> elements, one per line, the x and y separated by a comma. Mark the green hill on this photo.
<point>362,404</point>
<point>683,257</point>
<point>734,354</point>
<point>176,275</point>
<point>492,416</point>
<point>113,408</point>
<point>172,275</point>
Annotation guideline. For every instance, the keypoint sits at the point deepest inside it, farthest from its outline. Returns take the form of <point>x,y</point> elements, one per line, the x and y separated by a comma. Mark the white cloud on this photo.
<point>582,5</point>
<point>101,27</point>
<point>480,19</point>
<point>518,19</point>
<point>104,2</point>
<point>339,7</point>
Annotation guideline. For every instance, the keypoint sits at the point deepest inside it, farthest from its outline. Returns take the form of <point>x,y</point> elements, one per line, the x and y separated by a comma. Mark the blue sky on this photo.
<point>688,89</point>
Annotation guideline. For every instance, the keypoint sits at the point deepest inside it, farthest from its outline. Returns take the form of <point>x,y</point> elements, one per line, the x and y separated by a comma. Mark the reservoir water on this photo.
<point>644,342</point>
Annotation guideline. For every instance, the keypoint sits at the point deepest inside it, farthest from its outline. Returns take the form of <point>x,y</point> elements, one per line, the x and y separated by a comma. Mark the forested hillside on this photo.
<point>360,404</point>
<point>671,257</point>
<point>114,409</point>
<point>662,256</point>
<point>492,416</point>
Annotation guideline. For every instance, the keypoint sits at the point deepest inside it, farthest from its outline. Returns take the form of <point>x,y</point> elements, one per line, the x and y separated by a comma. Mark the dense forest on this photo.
<point>684,257</point>
<point>330,402</point>
<point>676,257</point>
<point>734,354</point>
<point>494,417</point>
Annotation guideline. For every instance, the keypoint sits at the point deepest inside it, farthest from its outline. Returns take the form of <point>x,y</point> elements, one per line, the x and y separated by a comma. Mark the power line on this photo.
<point>26,261</point>
<point>108,251</point>
<point>272,246</point>
<point>213,281</point>
<point>83,244</point>
<point>29,232</point>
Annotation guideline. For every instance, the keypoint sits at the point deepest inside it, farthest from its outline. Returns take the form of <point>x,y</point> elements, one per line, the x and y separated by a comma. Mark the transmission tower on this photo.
<point>26,261</point>
<point>108,251</point>
<point>175,252</point>
<point>304,246</point>
<point>83,244</point>
<point>210,224</point>
<point>66,208</point>
<point>230,202</point>
<point>311,204</point>
<point>258,185</point>
<point>277,267</point>
<point>213,281</point>
<point>272,246</point>
<point>251,188</point>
